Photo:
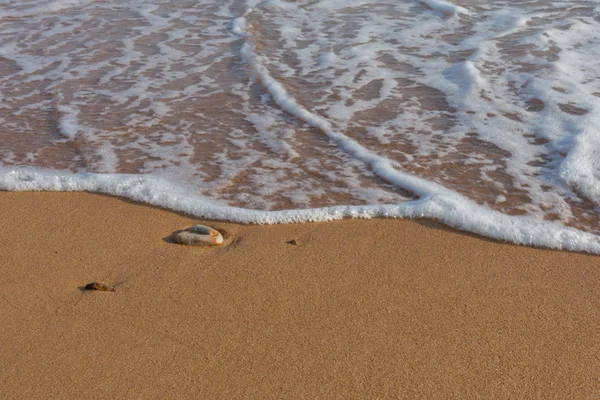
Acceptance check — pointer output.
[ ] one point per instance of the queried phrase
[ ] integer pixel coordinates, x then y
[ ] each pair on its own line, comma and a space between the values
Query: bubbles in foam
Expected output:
23, 173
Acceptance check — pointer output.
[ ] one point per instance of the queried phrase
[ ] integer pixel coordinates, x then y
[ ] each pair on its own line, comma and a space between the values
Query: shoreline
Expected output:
359, 308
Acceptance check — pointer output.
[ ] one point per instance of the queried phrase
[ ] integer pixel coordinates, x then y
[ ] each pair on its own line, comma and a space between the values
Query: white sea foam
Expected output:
67, 125
39, 8
238, 25
481, 115
445, 7
453, 211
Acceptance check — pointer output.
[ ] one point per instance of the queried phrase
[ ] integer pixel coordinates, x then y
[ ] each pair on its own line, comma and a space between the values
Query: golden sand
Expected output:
355, 309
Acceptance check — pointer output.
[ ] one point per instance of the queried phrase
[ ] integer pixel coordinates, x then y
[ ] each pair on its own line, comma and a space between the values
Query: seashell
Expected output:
200, 235
99, 287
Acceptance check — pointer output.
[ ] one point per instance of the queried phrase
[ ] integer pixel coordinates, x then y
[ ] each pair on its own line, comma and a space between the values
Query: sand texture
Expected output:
359, 309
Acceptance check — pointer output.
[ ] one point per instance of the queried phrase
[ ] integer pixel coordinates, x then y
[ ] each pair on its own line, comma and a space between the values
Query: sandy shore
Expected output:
359, 309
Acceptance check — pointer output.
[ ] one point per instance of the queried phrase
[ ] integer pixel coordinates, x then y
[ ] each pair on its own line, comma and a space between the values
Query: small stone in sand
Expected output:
293, 242
200, 235
98, 286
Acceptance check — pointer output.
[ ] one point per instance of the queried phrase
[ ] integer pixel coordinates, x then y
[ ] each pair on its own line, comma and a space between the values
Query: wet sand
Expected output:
358, 309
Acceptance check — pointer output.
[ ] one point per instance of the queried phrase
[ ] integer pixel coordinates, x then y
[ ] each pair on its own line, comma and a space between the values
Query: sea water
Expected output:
482, 114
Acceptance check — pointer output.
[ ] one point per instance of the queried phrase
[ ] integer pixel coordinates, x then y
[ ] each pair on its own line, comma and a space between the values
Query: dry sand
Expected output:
359, 309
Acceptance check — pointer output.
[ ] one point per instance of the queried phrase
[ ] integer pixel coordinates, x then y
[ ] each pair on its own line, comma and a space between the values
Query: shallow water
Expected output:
483, 114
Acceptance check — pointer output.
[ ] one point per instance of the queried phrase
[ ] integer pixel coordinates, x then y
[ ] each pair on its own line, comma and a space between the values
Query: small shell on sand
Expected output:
200, 235
98, 286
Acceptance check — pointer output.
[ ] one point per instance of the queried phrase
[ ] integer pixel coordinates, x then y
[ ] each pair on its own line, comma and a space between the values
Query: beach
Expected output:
335, 144
355, 309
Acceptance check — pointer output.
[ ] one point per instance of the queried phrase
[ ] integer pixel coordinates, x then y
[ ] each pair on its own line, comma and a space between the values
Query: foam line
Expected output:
453, 211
